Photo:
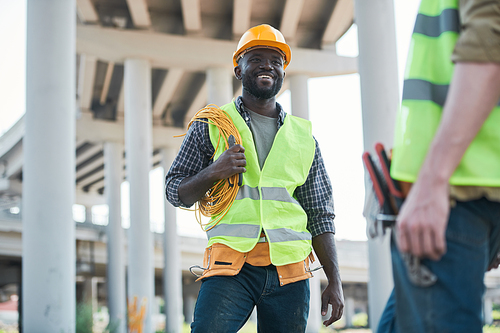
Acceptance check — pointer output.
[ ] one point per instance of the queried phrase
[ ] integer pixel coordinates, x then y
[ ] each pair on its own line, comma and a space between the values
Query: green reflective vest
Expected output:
427, 78
266, 199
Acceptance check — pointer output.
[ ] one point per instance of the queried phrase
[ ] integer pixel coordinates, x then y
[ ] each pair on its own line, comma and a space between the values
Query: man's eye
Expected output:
276, 62
255, 60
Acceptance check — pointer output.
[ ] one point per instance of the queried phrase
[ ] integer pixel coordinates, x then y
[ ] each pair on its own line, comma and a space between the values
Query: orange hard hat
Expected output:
263, 36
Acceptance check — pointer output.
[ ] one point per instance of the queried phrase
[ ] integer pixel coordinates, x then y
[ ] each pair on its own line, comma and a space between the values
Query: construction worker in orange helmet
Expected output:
259, 254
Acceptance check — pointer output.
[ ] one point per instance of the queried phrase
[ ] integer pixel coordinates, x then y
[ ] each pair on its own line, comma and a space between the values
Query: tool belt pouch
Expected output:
295, 272
220, 259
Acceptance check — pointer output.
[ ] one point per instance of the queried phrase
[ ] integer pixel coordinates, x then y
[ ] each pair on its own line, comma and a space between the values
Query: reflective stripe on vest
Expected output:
416, 89
265, 202
427, 78
268, 193
253, 231
434, 26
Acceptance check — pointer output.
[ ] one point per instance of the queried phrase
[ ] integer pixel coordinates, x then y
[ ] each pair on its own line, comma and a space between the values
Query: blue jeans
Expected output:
225, 302
454, 302
387, 322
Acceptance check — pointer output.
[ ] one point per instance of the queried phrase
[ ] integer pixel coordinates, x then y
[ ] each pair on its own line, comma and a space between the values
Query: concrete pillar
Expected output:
172, 272
299, 95
300, 107
380, 99
189, 304
113, 169
88, 214
314, 322
138, 148
87, 291
487, 310
93, 294
349, 311
49, 168
219, 85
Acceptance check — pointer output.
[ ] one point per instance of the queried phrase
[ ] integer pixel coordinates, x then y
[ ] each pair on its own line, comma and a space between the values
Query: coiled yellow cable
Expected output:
220, 197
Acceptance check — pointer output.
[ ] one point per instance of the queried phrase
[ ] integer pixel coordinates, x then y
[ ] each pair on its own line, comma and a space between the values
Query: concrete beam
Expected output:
89, 153
90, 179
139, 12
242, 13
89, 199
120, 107
170, 51
290, 18
86, 76
100, 184
89, 167
95, 130
167, 90
12, 163
11, 186
86, 11
10, 138
107, 82
340, 21
191, 15
198, 102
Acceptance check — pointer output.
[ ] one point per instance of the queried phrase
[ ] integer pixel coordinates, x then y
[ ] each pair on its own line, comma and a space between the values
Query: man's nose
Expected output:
266, 64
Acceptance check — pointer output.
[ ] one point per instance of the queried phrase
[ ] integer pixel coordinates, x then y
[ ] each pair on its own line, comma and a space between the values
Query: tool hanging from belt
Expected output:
390, 199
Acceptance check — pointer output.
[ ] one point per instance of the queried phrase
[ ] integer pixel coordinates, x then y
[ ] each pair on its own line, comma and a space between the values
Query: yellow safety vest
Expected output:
266, 200
427, 78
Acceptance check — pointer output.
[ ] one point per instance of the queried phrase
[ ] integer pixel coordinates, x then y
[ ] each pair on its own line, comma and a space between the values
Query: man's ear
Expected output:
237, 72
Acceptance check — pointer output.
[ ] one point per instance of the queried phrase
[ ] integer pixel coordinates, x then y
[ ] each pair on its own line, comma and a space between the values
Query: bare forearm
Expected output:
324, 247
194, 188
474, 91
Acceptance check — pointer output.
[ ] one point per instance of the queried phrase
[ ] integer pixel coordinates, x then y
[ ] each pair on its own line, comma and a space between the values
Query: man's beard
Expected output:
251, 87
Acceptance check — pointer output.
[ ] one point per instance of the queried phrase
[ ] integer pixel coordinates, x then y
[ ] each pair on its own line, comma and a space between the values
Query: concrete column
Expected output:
487, 310
138, 148
299, 95
220, 86
88, 214
380, 99
314, 322
189, 304
349, 311
113, 170
172, 272
300, 107
49, 168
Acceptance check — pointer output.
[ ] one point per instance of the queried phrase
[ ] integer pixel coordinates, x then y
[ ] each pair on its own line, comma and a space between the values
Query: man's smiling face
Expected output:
261, 72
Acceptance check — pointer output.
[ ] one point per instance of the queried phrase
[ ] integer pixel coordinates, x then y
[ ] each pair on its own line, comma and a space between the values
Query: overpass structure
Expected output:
110, 82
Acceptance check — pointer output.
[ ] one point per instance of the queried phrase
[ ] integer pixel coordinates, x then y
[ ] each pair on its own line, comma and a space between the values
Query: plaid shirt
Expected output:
315, 195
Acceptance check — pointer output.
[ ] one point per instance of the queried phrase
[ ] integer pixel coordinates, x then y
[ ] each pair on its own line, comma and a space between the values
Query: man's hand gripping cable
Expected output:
220, 197
390, 198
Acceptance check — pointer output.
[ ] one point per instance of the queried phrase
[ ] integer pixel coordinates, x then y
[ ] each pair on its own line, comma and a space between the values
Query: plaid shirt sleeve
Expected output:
194, 155
316, 198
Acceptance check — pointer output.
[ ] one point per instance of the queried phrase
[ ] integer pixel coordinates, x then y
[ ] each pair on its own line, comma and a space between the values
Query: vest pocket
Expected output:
220, 259
295, 272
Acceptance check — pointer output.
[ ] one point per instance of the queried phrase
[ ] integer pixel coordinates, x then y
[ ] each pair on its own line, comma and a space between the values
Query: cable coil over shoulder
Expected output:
220, 197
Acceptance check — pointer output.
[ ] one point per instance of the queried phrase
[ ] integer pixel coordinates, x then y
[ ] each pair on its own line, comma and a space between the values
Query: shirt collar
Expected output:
246, 115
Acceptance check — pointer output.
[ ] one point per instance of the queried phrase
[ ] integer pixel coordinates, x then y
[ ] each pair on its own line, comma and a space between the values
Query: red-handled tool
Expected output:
385, 165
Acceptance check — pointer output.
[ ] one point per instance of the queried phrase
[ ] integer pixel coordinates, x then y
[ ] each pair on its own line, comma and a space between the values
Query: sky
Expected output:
334, 108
